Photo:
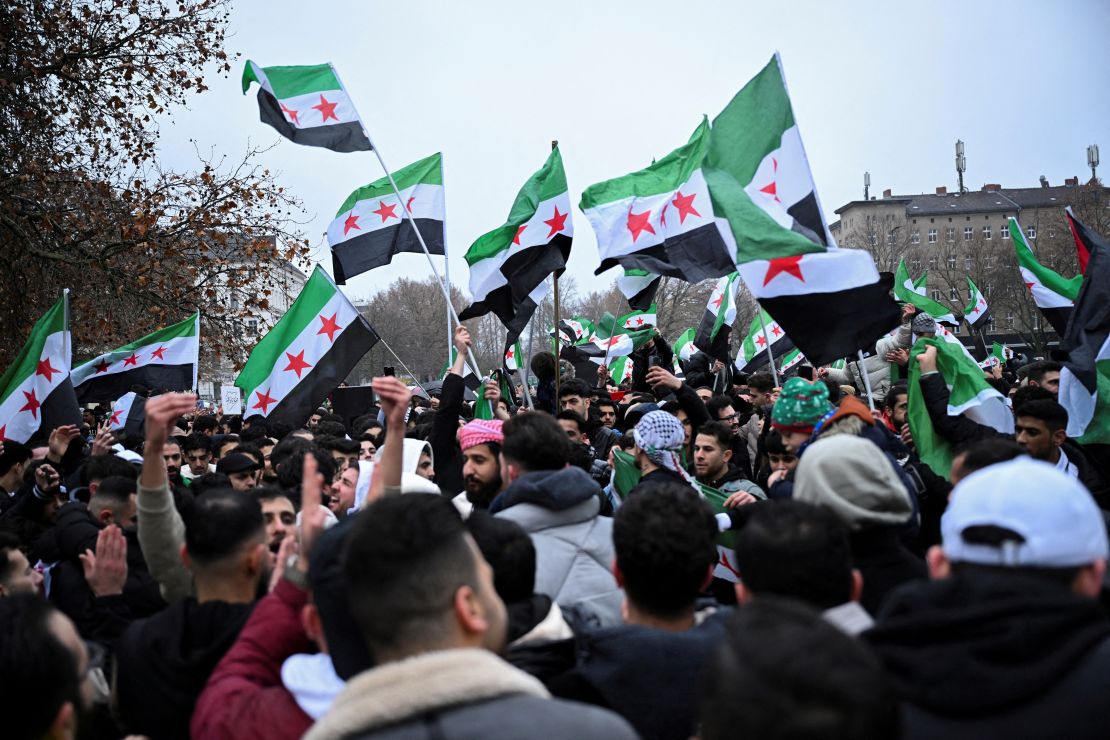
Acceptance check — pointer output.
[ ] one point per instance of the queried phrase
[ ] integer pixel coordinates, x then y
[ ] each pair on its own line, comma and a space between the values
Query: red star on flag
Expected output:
264, 400
327, 110
685, 206
1029, 285
557, 222
509, 354
776, 330
3, 432
663, 216
102, 366
718, 300
408, 203
788, 265
296, 363
638, 223
290, 112
132, 360
329, 326
32, 404
351, 222
639, 321
519, 230
761, 340
771, 189
385, 211
116, 414
611, 341
46, 370
160, 353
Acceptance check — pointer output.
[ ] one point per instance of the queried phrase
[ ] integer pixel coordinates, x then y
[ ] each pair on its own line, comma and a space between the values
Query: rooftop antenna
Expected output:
866, 184
961, 164
1092, 160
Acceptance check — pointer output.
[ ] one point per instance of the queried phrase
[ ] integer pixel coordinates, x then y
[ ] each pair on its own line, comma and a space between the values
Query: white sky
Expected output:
879, 86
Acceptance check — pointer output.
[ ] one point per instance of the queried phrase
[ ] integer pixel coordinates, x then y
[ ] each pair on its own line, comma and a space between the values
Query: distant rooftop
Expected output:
991, 198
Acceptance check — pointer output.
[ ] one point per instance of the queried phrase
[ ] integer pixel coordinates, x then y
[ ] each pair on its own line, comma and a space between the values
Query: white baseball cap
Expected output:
1055, 516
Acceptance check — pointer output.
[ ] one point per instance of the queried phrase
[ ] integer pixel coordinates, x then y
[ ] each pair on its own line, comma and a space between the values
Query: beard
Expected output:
479, 493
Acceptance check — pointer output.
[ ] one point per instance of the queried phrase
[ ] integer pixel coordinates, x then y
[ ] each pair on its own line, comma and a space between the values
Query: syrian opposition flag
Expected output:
306, 355
790, 359
371, 225
514, 358
508, 265
659, 220
753, 350
996, 357
969, 394
574, 329
921, 285
129, 414
906, 292
716, 323
977, 314
36, 391
830, 301
620, 370
307, 105
1082, 236
640, 319
599, 349
1085, 377
165, 360
684, 347
1054, 295
639, 287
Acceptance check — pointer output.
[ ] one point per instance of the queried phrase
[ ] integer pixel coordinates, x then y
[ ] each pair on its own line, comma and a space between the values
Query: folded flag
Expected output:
968, 393
508, 265
977, 314
514, 358
639, 287
307, 105
36, 391
640, 319
371, 225
716, 322
165, 360
684, 347
1085, 377
764, 332
129, 415
830, 301
659, 220
905, 292
1054, 295
309, 352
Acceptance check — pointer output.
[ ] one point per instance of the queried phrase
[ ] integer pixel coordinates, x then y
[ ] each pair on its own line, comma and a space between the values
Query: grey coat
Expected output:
877, 368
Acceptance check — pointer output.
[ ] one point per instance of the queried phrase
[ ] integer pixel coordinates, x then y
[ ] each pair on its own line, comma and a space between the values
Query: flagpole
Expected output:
555, 278
770, 354
412, 222
862, 367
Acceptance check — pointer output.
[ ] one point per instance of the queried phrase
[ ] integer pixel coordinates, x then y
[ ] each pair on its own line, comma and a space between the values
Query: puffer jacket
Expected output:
560, 509
877, 368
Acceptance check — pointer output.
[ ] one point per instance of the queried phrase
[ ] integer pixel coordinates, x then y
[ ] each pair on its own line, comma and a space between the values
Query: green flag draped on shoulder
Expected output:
307, 105
306, 355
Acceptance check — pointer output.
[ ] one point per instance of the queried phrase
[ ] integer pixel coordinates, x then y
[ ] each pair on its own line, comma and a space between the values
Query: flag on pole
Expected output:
659, 220
969, 393
997, 356
165, 360
716, 322
905, 292
1085, 377
977, 314
830, 301
639, 287
371, 225
790, 359
1082, 236
36, 391
620, 370
1054, 295
508, 265
921, 285
307, 105
598, 347
129, 415
514, 357
684, 347
753, 350
640, 319
574, 330
306, 355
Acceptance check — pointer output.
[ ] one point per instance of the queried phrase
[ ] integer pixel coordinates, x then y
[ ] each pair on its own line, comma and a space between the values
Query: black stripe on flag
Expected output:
524, 271
779, 349
156, 378
716, 347
807, 219
700, 254
339, 137
58, 409
376, 248
642, 301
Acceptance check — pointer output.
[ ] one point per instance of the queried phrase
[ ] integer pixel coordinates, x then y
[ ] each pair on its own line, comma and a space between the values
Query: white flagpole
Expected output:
770, 354
862, 367
419, 237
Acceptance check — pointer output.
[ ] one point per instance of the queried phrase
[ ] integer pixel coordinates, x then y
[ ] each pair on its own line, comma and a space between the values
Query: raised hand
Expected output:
162, 413
658, 376
393, 397
59, 441
102, 443
106, 569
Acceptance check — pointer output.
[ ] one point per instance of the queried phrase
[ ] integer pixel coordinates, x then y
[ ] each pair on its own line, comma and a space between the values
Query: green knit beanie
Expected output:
800, 406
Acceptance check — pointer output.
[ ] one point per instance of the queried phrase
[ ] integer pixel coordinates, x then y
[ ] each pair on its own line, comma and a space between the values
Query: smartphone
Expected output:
388, 370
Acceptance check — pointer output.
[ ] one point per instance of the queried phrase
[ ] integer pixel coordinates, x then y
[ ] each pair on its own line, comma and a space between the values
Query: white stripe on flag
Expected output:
176, 351
384, 212
20, 413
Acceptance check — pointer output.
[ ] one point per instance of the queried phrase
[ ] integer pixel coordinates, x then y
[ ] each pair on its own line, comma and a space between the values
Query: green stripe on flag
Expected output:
1050, 279
289, 82
25, 363
427, 171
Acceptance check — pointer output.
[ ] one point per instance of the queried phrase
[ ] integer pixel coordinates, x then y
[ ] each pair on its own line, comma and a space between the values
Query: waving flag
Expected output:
639, 287
1054, 295
716, 323
905, 292
684, 347
753, 350
129, 415
977, 314
640, 319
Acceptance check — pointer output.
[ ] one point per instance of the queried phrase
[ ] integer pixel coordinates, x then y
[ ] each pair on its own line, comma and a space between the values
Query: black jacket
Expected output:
885, 564
985, 656
443, 440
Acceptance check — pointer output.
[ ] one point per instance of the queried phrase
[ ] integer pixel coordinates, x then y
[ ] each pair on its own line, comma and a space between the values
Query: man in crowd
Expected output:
242, 470
197, 448
713, 466
480, 441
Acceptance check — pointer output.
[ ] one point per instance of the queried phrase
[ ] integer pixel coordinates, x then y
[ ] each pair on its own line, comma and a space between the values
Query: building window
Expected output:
936, 294
932, 236
1005, 232
1009, 319
968, 233
957, 330
950, 234
1031, 232
990, 323
890, 238
986, 232
967, 263
951, 262
252, 327
954, 294
915, 237
915, 265
874, 240
932, 263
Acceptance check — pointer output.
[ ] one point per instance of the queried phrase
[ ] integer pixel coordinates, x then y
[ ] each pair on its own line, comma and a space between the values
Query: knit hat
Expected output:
800, 406
660, 435
923, 323
855, 480
479, 432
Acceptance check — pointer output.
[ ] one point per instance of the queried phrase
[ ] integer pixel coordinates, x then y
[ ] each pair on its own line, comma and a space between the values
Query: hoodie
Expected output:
986, 655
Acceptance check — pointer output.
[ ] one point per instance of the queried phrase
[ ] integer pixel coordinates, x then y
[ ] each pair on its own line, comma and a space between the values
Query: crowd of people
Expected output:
703, 554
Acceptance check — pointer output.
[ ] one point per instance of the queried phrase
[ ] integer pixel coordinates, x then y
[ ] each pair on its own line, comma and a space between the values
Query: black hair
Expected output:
574, 387
986, 452
574, 416
783, 672
716, 404
116, 490
255, 435
205, 423
762, 382
14, 454
535, 441
349, 654
203, 484
270, 493
278, 430
284, 451
665, 538
1036, 371
772, 443
406, 558
290, 474
331, 429
341, 445
251, 451
896, 389
543, 366
1027, 393
1062, 578
197, 441
38, 674
509, 551
719, 431
220, 523
605, 400
795, 549
234, 423
1047, 410
99, 467
581, 456
9, 543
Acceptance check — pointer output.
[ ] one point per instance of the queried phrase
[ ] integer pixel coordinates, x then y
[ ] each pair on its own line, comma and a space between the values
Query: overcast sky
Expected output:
885, 87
